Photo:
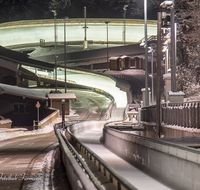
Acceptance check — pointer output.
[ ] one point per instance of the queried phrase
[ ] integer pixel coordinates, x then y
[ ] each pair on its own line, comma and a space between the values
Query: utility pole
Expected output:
107, 42
146, 57
85, 23
158, 100
56, 73
55, 33
173, 51
125, 6
151, 50
66, 18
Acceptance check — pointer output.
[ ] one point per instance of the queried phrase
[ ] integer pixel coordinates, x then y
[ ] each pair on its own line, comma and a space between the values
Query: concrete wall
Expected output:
49, 119
177, 168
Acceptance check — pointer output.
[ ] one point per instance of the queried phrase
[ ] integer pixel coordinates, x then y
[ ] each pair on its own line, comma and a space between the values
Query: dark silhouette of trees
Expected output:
12, 10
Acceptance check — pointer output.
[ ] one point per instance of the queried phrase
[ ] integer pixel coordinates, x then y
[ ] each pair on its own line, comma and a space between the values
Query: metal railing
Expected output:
73, 167
104, 168
113, 177
150, 38
182, 114
148, 114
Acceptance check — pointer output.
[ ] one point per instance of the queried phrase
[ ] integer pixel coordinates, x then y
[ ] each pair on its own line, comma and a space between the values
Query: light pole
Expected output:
85, 23
173, 58
66, 18
55, 34
158, 94
125, 6
146, 56
166, 50
170, 5
63, 113
56, 73
152, 87
107, 42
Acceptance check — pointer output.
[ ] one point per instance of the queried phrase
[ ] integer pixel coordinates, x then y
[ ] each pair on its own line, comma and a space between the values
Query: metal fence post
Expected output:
187, 115
176, 114
181, 115
163, 113
168, 115
193, 115
172, 114
184, 115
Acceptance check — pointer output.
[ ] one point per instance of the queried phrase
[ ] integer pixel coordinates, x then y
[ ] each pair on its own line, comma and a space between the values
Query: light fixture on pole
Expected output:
151, 50
125, 6
55, 33
146, 56
107, 42
170, 5
66, 18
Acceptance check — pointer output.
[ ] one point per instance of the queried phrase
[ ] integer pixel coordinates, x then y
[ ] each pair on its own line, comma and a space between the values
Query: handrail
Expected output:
150, 38
103, 166
82, 164
63, 143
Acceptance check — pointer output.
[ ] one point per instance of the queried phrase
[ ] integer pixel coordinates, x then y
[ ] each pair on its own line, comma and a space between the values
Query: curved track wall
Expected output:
176, 165
27, 32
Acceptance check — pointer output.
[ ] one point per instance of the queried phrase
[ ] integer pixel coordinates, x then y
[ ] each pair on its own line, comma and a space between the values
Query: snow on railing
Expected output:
182, 114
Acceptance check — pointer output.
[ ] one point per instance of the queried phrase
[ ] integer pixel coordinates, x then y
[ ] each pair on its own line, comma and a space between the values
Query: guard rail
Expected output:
77, 178
119, 182
107, 171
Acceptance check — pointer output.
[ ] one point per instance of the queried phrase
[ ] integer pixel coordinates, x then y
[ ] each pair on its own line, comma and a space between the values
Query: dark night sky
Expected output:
12, 10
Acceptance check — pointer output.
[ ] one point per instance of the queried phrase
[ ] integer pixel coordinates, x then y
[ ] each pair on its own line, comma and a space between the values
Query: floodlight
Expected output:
143, 45
167, 4
54, 12
64, 19
125, 6
150, 49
